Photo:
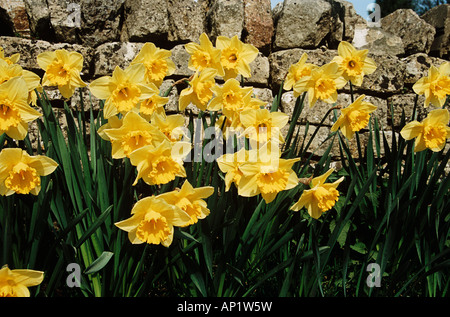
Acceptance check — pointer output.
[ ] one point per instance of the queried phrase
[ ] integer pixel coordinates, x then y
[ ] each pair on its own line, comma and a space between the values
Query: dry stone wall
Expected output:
111, 32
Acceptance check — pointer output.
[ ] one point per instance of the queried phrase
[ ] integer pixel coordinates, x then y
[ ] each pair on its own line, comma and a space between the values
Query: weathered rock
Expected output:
258, 24
439, 17
417, 35
344, 22
18, 16
145, 20
302, 24
417, 66
109, 55
260, 71
377, 40
226, 18
280, 61
7, 28
39, 18
186, 19
30, 49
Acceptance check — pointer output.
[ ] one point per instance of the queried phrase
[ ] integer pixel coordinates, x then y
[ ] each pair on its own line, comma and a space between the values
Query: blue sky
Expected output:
360, 5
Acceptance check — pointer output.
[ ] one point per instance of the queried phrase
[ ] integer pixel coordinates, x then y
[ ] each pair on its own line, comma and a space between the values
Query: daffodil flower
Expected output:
321, 196
204, 55
229, 97
322, 84
354, 118
15, 112
62, 68
123, 91
152, 221
298, 71
134, 133
230, 163
157, 63
199, 92
8, 71
190, 200
435, 86
13, 59
15, 283
268, 175
157, 165
172, 126
21, 173
236, 56
262, 125
431, 133
354, 63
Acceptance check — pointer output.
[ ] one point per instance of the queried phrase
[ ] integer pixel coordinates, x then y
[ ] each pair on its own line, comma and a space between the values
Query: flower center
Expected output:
326, 197
193, 209
126, 97
353, 66
230, 57
164, 170
358, 119
434, 136
156, 70
153, 229
302, 72
9, 117
201, 59
325, 88
58, 73
7, 288
203, 91
273, 182
441, 87
22, 179
134, 140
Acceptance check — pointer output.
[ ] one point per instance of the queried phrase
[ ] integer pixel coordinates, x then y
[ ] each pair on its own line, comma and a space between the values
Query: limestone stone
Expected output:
225, 17
405, 102
258, 24
145, 20
39, 19
439, 17
302, 24
186, 19
417, 35
260, 71
377, 40
344, 22
18, 16
417, 66
181, 57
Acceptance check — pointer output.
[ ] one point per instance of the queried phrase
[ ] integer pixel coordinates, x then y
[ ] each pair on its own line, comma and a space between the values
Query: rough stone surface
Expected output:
377, 40
39, 19
186, 19
225, 17
258, 24
439, 17
145, 20
17, 13
417, 35
313, 18
109, 55
417, 66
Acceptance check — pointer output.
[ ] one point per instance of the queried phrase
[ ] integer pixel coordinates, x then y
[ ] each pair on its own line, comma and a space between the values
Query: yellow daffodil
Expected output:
152, 221
15, 283
157, 63
321, 197
21, 173
297, 71
236, 56
157, 165
204, 55
354, 63
113, 123
268, 175
354, 118
321, 84
190, 200
261, 125
199, 92
229, 164
152, 105
8, 71
172, 126
431, 133
13, 59
229, 97
134, 133
435, 86
123, 91
15, 112
62, 68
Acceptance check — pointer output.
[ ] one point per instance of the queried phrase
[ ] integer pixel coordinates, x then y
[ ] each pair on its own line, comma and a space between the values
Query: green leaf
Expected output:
99, 263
